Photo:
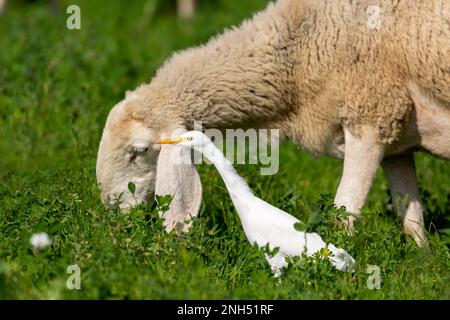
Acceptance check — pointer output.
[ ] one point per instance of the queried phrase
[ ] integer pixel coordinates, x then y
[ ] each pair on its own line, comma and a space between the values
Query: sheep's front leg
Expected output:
363, 155
401, 174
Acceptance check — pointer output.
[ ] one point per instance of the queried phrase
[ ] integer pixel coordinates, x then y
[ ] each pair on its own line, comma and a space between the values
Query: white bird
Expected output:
263, 223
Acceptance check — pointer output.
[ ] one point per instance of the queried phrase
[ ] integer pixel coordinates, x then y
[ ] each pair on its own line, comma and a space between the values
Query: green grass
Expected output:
56, 89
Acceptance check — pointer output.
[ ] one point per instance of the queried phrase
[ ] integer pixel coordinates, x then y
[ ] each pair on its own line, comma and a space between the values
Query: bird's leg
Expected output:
363, 155
401, 174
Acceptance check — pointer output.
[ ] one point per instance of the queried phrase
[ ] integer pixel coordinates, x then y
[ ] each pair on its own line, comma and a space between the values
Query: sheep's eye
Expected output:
136, 152
133, 158
141, 150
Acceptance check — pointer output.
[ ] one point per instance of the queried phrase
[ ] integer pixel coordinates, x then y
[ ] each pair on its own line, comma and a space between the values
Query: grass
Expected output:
56, 89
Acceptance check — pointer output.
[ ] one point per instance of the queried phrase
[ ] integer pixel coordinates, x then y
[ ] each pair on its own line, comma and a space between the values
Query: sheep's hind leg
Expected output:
401, 174
363, 155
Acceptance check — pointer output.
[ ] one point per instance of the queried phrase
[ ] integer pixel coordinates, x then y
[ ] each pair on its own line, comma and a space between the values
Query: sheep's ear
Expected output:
176, 176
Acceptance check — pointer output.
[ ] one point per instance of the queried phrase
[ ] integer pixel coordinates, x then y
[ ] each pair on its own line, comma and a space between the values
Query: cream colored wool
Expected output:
308, 67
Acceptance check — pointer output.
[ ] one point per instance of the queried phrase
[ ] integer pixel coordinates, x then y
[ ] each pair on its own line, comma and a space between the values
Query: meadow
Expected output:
56, 89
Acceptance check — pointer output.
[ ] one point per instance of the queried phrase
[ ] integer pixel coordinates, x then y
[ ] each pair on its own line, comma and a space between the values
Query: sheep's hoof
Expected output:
419, 236
348, 224
423, 243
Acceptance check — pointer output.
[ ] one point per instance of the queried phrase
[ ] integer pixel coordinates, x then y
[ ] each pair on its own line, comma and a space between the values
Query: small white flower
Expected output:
40, 240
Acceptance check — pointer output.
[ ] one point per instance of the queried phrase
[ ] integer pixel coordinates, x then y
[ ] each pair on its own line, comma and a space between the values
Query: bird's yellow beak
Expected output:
173, 140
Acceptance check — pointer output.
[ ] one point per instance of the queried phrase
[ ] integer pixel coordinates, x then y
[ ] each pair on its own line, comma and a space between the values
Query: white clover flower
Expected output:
40, 240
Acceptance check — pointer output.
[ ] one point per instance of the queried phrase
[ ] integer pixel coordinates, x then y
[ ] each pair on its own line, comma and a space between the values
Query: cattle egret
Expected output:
263, 223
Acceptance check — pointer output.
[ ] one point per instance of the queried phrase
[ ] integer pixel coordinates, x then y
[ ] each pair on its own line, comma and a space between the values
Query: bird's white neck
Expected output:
237, 187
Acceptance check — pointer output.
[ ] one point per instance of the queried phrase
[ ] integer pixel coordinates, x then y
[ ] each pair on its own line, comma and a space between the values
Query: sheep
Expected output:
318, 71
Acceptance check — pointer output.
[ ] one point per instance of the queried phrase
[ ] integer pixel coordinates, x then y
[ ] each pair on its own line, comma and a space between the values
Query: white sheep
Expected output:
318, 71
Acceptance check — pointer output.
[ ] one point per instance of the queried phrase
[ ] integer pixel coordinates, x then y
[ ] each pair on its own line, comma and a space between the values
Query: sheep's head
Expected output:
128, 154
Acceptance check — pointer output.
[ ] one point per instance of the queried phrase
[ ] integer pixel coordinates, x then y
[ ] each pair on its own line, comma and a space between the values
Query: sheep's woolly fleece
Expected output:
307, 67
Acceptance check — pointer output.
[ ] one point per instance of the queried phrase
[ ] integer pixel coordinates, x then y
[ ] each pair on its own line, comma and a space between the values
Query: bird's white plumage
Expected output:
263, 223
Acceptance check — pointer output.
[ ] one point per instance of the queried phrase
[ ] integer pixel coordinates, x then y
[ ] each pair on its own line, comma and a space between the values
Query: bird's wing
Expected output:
272, 214
267, 224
